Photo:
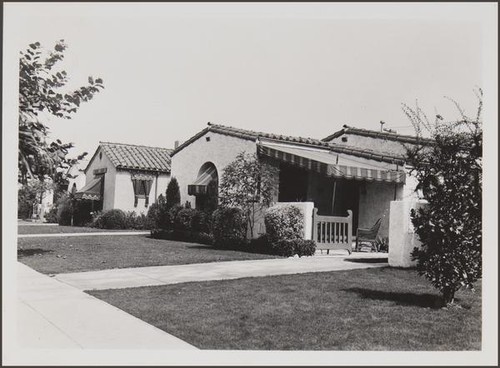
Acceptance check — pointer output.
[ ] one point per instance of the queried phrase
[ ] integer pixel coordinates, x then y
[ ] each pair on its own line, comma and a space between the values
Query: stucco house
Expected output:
76, 177
353, 169
125, 176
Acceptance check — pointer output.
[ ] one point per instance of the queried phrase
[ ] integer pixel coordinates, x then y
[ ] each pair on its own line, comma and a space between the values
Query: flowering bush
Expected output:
284, 223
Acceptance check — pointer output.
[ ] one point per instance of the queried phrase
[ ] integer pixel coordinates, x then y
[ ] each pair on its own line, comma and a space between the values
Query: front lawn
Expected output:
54, 255
369, 309
56, 229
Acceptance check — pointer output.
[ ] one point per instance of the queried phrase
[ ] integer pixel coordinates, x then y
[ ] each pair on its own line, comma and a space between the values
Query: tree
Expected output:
449, 172
248, 184
41, 90
173, 194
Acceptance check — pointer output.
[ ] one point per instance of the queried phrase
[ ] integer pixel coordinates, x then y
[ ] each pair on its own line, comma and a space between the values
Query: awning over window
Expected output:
200, 186
91, 190
325, 163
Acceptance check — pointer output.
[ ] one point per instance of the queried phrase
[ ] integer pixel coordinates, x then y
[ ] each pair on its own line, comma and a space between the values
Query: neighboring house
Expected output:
353, 169
125, 176
76, 178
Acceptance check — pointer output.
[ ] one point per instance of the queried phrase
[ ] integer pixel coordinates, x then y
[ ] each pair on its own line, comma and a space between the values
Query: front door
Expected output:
347, 198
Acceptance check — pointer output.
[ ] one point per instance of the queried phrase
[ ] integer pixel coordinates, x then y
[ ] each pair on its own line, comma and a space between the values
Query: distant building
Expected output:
125, 176
76, 178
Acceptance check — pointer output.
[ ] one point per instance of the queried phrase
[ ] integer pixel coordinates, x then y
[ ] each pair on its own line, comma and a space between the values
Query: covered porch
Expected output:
336, 182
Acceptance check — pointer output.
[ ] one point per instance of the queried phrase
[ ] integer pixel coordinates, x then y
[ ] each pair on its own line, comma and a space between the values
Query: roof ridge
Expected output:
389, 134
258, 134
136, 145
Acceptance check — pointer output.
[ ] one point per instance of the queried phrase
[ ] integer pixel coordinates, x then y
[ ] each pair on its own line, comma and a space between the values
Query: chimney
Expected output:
176, 144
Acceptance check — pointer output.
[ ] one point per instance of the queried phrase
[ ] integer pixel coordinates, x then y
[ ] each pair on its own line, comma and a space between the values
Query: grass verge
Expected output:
54, 255
369, 309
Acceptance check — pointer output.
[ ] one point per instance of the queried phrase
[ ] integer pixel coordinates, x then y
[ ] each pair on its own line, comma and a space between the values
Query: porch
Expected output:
339, 185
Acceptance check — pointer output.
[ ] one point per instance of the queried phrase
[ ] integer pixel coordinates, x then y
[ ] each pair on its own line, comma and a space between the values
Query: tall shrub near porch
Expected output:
248, 184
449, 173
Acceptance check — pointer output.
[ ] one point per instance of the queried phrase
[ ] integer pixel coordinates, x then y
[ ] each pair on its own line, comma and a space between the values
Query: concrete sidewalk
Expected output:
51, 314
163, 275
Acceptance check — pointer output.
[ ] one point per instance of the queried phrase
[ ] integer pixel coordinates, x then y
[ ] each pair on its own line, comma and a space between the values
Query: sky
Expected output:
169, 70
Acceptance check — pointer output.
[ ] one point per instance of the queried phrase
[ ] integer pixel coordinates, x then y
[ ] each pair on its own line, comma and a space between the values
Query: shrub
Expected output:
304, 247
51, 216
200, 222
288, 248
202, 238
284, 223
284, 248
138, 222
184, 219
173, 194
449, 173
168, 221
157, 213
64, 210
112, 219
228, 227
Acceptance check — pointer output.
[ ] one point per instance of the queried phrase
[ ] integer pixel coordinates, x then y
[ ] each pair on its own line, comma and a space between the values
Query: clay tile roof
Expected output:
249, 135
253, 135
374, 134
130, 156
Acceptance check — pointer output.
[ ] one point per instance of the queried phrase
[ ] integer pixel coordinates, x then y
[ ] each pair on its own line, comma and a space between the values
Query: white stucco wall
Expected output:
375, 144
124, 192
109, 178
220, 150
79, 180
402, 238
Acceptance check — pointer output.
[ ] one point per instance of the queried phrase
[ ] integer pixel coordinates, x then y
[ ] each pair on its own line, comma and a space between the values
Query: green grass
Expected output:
370, 309
56, 229
98, 252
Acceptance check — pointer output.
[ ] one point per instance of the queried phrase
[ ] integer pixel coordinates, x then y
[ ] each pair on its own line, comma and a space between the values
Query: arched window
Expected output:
206, 187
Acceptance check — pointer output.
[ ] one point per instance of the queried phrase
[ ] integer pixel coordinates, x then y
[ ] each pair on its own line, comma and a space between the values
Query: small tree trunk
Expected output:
448, 296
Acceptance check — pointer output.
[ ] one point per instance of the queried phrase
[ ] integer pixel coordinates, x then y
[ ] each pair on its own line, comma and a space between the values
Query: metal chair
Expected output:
368, 235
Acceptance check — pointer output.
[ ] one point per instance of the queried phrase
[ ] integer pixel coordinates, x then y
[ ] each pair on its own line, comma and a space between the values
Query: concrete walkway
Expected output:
51, 314
163, 275
84, 234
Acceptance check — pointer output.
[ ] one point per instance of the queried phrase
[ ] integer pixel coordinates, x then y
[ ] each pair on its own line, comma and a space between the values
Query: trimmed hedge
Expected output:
288, 248
112, 219
51, 216
228, 227
186, 236
284, 223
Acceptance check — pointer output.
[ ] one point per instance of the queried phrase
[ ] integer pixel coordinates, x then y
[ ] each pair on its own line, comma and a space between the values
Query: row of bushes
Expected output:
67, 210
118, 219
226, 228
223, 228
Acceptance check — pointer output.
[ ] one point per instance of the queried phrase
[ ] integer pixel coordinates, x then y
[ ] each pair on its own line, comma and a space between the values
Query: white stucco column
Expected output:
402, 237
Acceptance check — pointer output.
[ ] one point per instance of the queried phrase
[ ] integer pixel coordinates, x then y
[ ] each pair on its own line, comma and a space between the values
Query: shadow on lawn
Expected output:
368, 260
31, 252
419, 300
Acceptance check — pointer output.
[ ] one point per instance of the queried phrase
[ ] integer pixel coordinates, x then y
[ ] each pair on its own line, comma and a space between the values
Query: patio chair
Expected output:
368, 235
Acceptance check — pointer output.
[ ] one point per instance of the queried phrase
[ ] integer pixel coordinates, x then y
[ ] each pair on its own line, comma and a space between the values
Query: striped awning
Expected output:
200, 186
91, 190
325, 163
